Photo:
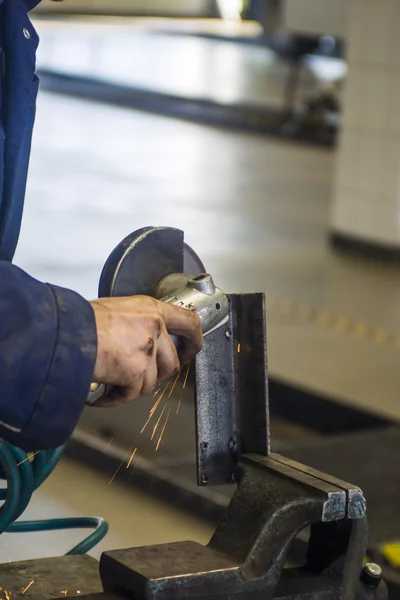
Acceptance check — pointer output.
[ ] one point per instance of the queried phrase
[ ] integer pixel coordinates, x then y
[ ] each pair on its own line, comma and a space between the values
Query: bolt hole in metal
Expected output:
218, 306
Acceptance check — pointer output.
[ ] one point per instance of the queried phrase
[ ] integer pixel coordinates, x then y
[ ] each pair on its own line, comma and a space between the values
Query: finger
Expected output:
186, 325
117, 398
122, 395
150, 376
168, 363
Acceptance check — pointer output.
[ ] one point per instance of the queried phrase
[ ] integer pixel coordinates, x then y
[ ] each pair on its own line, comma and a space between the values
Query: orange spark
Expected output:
28, 458
155, 405
157, 391
239, 348
8, 595
24, 590
147, 422
64, 592
186, 376
131, 458
175, 382
120, 466
153, 410
163, 429
116, 473
158, 421
179, 405
108, 443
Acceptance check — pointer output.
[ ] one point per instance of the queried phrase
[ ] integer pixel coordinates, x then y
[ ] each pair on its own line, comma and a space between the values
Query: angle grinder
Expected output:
155, 261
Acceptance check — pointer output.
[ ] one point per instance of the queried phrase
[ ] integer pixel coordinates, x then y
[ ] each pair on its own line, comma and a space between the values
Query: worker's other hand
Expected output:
135, 351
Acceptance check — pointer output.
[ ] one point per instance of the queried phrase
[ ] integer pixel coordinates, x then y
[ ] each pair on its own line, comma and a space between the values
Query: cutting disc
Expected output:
144, 258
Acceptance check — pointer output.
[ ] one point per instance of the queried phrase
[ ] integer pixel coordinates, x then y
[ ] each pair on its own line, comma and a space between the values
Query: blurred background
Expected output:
268, 131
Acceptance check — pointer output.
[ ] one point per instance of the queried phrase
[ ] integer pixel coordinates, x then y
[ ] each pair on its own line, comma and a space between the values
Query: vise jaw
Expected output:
275, 500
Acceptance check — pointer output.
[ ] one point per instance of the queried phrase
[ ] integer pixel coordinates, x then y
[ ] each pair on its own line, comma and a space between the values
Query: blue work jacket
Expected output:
48, 339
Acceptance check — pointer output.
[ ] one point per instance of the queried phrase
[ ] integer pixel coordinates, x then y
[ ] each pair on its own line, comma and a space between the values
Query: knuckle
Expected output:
195, 318
158, 325
141, 366
174, 365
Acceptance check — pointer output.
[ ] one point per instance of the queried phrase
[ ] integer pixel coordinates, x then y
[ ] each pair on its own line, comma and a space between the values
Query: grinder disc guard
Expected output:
144, 258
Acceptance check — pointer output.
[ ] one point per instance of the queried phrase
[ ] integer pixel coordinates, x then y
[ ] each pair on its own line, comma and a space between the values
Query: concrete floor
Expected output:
255, 209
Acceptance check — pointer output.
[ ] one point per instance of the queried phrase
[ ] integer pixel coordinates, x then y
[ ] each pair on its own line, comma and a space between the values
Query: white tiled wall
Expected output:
367, 188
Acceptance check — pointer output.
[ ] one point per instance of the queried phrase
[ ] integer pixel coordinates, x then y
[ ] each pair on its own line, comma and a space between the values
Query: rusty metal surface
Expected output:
215, 410
251, 373
231, 401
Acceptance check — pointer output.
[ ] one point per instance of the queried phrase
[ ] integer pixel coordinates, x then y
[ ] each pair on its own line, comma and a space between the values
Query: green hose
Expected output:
24, 475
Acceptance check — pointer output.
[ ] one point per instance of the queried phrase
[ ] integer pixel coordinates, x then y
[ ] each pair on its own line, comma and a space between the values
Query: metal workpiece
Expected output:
246, 556
215, 412
232, 392
249, 330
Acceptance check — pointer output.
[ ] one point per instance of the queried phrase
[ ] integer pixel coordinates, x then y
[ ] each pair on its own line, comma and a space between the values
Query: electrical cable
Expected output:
24, 474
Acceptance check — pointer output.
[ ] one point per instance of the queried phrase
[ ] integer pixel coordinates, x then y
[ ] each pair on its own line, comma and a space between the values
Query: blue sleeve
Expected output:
48, 348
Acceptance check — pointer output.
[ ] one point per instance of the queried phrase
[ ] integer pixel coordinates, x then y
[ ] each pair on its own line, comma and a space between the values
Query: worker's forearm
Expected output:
48, 346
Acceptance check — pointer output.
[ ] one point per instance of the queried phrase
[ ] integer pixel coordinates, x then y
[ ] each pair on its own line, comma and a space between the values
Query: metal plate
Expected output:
232, 392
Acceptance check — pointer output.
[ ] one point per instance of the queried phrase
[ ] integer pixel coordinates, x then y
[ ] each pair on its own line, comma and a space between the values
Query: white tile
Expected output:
357, 22
351, 96
373, 32
377, 20
367, 96
369, 174
392, 33
391, 167
375, 101
377, 221
393, 111
344, 211
378, 164
348, 158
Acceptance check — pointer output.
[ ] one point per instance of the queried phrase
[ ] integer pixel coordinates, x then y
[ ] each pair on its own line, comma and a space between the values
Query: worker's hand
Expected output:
135, 350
